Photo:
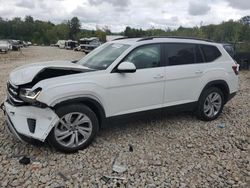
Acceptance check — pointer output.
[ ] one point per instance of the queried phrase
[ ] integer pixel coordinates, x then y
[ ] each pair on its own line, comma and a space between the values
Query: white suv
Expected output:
66, 103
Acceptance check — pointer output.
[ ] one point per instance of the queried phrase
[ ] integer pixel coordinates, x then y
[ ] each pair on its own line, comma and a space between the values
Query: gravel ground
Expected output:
168, 151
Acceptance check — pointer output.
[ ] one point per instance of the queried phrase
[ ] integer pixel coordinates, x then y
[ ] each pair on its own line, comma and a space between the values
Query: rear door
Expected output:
141, 90
184, 70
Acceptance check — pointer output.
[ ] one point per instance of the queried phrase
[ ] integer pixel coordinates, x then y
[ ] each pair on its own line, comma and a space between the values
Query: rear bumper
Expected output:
29, 121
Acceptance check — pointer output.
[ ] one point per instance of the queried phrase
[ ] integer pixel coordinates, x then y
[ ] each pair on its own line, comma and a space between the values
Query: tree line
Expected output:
46, 32
234, 32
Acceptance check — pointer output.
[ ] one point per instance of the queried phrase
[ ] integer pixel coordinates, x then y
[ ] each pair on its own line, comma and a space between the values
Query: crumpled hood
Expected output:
25, 74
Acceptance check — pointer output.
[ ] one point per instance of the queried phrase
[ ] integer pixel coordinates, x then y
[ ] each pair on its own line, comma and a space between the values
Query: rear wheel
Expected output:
210, 104
76, 128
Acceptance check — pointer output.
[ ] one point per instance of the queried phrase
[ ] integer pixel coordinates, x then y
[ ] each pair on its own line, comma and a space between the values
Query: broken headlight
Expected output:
29, 95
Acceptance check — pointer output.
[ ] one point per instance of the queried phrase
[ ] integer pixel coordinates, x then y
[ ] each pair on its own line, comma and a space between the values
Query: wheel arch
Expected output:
93, 104
221, 84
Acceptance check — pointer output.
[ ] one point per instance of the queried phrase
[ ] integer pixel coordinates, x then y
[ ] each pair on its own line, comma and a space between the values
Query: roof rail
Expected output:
120, 38
174, 37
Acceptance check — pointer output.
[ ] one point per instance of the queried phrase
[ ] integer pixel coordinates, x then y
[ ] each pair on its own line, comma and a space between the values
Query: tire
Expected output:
208, 108
77, 121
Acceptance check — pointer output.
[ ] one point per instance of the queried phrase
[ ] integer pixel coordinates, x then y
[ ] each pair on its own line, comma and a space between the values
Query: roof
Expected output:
132, 41
129, 41
114, 37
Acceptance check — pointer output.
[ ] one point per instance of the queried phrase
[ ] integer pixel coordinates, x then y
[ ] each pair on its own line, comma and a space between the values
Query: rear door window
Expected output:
183, 54
199, 55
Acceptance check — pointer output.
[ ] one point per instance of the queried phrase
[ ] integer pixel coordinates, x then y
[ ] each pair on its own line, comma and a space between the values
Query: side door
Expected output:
141, 90
184, 71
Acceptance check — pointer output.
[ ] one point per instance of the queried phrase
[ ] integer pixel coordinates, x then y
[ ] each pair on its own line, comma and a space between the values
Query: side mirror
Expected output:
126, 67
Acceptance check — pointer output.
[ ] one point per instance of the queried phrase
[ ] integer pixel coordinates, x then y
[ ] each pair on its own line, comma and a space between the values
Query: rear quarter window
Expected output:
210, 52
230, 50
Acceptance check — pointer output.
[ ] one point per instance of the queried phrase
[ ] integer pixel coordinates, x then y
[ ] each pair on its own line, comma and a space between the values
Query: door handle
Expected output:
198, 72
158, 76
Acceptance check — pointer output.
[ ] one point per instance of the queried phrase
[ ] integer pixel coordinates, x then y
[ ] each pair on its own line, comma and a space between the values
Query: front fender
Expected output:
55, 95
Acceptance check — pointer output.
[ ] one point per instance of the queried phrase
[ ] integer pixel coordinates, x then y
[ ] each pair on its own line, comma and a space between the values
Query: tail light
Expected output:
235, 68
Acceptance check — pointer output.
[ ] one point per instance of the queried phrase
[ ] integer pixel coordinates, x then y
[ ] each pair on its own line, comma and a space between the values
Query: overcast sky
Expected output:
117, 14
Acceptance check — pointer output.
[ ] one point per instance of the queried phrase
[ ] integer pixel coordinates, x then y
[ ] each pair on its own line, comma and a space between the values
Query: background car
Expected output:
15, 45
89, 44
4, 46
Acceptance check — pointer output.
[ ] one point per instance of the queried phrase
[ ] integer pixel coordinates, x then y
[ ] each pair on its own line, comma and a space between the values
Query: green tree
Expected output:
107, 30
74, 27
245, 20
43, 32
100, 34
61, 31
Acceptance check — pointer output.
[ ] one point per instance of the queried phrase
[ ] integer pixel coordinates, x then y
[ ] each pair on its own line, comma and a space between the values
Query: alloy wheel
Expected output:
212, 104
73, 129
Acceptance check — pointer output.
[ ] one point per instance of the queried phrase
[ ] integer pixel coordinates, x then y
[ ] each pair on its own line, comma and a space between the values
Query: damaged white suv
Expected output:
66, 103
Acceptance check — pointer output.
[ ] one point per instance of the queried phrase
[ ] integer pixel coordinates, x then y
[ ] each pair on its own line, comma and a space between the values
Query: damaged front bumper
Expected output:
10, 128
30, 121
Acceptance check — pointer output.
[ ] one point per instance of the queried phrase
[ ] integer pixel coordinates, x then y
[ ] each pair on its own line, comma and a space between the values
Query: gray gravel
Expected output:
168, 151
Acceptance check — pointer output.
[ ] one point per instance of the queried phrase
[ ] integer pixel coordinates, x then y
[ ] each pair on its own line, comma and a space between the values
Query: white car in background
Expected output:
4, 46
66, 103
89, 44
60, 44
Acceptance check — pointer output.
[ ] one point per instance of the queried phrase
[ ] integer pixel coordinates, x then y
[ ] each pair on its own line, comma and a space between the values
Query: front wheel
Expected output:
75, 130
210, 104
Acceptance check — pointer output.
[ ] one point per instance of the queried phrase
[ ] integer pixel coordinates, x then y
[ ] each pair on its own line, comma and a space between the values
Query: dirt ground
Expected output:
169, 151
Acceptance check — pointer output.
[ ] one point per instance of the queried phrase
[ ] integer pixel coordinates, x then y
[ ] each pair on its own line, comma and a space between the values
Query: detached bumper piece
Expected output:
30, 121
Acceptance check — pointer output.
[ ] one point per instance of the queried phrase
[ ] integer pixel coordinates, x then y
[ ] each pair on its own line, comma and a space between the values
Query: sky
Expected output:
117, 14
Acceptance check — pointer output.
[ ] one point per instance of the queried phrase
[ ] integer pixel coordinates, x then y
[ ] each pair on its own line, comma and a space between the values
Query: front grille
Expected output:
12, 95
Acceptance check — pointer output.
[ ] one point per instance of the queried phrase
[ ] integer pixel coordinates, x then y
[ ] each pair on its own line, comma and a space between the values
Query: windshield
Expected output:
102, 57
